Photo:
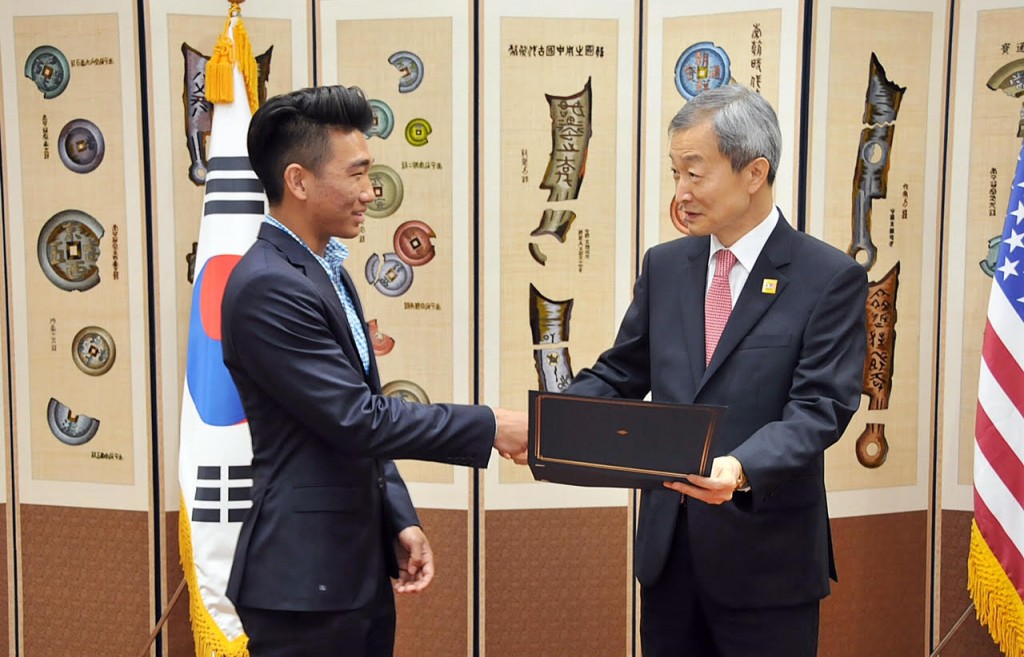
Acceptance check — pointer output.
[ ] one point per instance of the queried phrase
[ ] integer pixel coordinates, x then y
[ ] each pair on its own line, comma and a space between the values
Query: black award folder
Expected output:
618, 443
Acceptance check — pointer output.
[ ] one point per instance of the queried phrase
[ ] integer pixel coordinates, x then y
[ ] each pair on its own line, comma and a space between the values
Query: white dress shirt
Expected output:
746, 249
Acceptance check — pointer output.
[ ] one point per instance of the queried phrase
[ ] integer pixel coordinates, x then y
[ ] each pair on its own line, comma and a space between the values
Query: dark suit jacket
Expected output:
789, 367
327, 500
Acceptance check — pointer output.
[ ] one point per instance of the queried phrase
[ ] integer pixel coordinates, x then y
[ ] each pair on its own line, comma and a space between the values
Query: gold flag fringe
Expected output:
997, 602
209, 638
220, 83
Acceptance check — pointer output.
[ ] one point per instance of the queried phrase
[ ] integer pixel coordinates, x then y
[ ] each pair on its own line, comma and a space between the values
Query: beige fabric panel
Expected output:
741, 35
577, 263
994, 147
895, 224
177, 199
415, 348
7, 592
5, 412
64, 299
186, 197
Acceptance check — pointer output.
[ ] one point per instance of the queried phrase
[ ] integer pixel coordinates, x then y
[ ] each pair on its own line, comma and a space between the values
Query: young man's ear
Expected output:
295, 179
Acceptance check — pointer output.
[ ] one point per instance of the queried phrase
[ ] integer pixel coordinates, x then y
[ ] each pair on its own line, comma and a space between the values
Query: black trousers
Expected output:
677, 620
365, 632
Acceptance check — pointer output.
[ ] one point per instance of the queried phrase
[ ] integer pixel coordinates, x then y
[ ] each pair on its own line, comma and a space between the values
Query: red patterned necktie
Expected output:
718, 304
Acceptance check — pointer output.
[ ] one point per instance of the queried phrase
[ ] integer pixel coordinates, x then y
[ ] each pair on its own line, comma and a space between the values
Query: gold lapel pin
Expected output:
769, 286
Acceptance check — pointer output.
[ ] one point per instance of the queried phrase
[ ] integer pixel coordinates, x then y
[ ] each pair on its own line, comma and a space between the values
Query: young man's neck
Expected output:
295, 222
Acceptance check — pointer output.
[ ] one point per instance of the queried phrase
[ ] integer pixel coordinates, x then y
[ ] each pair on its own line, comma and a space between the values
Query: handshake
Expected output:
510, 438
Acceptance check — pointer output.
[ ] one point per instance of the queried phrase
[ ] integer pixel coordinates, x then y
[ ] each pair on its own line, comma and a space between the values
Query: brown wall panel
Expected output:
85, 581
971, 639
178, 640
5, 626
435, 623
878, 607
555, 583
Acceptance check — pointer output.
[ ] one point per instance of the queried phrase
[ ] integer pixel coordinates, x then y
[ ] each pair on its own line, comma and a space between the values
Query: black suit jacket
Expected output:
327, 499
789, 367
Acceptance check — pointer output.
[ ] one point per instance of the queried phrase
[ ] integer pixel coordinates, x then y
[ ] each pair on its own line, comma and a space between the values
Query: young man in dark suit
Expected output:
750, 314
331, 520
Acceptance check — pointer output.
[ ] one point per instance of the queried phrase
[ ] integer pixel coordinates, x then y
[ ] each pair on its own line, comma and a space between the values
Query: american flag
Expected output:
996, 562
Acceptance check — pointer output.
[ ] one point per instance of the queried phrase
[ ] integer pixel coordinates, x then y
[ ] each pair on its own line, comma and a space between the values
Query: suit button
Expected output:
380, 482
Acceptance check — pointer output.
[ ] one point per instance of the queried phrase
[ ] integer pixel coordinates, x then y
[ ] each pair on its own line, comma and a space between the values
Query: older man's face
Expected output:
711, 198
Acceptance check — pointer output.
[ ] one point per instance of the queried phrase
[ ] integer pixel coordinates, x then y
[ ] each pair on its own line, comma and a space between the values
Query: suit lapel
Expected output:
693, 276
302, 259
753, 303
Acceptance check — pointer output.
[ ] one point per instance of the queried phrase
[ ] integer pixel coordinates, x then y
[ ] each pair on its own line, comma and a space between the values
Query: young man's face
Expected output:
340, 191
711, 198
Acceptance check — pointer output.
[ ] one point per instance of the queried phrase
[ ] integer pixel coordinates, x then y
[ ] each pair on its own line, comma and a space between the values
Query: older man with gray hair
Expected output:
747, 313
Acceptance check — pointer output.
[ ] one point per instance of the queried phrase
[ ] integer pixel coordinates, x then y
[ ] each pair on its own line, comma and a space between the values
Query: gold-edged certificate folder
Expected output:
618, 443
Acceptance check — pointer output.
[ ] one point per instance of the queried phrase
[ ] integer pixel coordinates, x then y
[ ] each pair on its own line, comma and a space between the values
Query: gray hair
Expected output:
745, 124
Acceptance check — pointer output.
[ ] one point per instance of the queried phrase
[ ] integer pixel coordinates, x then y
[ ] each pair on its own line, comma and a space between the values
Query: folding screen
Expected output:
79, 341
413, 262
558, 101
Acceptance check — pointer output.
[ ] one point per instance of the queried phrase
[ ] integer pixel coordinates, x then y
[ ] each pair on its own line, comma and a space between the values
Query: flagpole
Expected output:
952, 631
163, 619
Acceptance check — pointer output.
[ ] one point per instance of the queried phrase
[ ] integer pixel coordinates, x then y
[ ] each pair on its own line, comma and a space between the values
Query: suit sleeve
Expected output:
403, 513
624, 370
825, 390
277, 336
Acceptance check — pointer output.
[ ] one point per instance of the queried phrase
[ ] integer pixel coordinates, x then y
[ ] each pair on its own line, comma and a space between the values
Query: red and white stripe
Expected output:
999, 434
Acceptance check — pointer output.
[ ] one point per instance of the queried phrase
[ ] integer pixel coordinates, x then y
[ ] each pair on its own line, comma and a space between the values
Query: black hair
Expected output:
295, 128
